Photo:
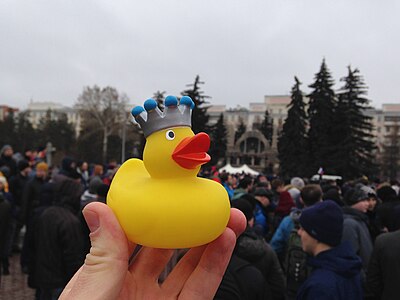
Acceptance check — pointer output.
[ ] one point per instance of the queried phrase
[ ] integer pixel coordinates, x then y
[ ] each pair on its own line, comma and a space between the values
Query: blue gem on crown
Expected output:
152, 119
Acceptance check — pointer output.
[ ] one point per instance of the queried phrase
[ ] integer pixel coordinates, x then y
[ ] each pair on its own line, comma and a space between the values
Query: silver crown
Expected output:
152, 119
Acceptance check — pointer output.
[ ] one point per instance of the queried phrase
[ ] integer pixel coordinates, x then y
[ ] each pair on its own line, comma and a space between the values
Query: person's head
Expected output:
263, 196
277, 185
358, 199
311, 194
94, 186
246, 208
387, 194
24, 167
83, 166
297, 182
41, 170
321, 227
3, 183
372, 197
7, 151
98, 170
246, 183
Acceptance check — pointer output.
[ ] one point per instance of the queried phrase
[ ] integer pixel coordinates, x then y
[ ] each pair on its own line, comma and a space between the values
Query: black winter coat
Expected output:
384, 268
58, 247
254, 249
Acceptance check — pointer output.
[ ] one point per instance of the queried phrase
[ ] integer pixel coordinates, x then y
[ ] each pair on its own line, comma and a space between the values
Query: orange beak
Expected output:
191, 152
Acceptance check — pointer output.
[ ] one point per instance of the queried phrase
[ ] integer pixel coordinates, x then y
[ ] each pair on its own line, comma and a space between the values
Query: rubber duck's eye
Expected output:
170, 135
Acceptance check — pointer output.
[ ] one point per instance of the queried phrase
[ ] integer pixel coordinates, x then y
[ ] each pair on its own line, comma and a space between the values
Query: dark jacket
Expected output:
384, 268
335, 276
242, 281
355, 230
5, 216
16, 187
31, 197
253, 248
58, 240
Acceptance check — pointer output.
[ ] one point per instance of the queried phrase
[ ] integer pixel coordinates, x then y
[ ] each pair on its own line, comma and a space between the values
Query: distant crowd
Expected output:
304, 240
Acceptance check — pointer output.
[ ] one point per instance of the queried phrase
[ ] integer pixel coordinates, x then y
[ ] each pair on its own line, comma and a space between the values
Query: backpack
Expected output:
296, 267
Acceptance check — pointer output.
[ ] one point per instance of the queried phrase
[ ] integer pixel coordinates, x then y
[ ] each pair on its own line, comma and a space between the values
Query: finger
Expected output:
237, 221
106, 265
175, 281
206, 278
150, 262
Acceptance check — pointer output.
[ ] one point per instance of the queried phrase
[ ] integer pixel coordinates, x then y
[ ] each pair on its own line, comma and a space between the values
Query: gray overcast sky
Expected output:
243, 50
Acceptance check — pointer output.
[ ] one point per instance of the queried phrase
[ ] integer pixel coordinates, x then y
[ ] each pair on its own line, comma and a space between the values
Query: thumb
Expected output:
105, 267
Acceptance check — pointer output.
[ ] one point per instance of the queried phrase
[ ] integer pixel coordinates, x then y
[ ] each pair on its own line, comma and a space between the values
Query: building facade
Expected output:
38, 110
253, 149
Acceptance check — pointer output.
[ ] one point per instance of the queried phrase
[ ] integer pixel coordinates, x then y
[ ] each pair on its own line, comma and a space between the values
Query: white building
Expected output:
38, 110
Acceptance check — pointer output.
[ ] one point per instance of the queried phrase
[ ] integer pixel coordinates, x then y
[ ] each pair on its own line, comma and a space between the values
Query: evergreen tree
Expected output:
8, 131
199, 114
218, 140
292, 141
55, 128
353, 131
240, 130
322, 102
266, 127
26, 137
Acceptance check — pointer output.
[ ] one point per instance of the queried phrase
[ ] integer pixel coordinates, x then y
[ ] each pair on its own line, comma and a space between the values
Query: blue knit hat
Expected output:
324, 222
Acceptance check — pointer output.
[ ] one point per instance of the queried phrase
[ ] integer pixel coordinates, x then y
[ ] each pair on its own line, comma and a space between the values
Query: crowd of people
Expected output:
303, 239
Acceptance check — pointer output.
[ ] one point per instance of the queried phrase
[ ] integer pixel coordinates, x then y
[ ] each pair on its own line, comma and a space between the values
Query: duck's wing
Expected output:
129, 171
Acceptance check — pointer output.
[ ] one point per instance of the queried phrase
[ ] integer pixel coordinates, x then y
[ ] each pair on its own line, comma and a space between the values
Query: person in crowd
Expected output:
46, 200
90, 194
67, 171
58, 241
310, 195
254, 249
284, 202
333, 192
384, 268
106, 273
264, 211
30, 201
97, 174
245, 186
5, 218
17, 185
242, 281
386, 213
294, 189
355, 225
83, 170
375, 226
227, 182
336, 268
7, 160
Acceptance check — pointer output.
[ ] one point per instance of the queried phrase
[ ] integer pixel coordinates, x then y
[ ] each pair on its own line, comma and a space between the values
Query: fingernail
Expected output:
92, 220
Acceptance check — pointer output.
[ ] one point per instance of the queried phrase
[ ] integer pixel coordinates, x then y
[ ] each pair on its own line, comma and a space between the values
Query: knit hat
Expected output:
297, 182
42, 166
4, 148
23, 164
324, 222
260, 191
353, 196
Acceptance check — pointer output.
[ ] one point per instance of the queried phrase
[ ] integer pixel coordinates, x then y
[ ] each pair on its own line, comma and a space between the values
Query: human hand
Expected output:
106, 273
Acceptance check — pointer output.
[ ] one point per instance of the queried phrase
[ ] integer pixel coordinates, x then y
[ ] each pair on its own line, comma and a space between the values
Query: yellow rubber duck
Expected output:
160, 202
